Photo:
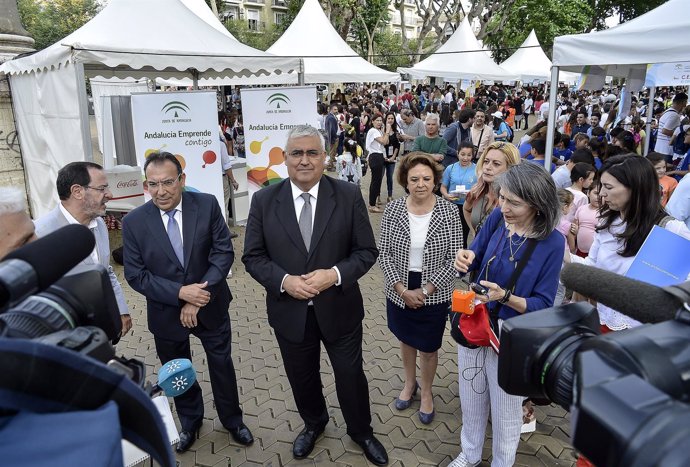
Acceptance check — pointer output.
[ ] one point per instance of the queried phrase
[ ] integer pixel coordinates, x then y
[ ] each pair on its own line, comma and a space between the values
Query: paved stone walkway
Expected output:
270, 410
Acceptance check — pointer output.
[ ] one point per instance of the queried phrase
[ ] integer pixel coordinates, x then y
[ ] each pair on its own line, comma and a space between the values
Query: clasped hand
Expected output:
307, 286
195, 294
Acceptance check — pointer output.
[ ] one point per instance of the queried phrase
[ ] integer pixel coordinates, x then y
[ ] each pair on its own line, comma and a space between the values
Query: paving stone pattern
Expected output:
270, 412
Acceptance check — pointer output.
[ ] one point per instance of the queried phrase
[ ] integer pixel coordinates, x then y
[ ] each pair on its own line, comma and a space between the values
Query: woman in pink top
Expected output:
586, 222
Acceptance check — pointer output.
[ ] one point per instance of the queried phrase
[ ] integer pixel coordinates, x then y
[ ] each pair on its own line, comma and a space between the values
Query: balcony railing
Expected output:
279, 3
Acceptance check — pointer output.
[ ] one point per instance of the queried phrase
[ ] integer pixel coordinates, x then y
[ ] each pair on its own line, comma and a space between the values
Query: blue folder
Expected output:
664, 259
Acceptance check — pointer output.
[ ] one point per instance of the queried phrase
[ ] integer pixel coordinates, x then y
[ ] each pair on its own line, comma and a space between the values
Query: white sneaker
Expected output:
460, 461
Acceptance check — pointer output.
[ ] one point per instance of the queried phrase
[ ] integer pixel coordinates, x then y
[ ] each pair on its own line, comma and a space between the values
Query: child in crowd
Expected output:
581, 176
581, 141
562, 175
561, 150
565, 198
666, 184
348, 164
599, 147
585, 221
537, 153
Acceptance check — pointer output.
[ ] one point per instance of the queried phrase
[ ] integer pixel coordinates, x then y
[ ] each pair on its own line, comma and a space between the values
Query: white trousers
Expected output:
480, 395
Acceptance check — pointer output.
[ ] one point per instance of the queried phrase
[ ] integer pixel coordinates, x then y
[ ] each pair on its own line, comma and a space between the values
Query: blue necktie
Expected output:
174, 235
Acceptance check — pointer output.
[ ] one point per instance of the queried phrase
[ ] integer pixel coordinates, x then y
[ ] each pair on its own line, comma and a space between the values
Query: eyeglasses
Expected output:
166, 183
102, 188
298, 154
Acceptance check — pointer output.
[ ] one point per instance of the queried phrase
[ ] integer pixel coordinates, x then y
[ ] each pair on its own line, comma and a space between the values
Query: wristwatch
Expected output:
425, 292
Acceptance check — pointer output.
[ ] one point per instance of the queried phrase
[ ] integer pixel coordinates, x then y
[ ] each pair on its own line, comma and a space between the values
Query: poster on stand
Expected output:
185, 124
269, 113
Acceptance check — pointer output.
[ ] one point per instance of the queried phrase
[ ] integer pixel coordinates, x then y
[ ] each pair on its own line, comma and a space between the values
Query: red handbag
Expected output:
481, 327
478, 328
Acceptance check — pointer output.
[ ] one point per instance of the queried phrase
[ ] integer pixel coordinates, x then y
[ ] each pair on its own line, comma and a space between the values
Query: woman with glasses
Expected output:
523, 225
481, 200
420, 234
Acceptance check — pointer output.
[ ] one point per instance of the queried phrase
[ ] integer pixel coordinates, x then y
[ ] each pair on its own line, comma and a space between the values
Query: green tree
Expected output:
261, 40
549, 19
369, 19
626, 10
49, 21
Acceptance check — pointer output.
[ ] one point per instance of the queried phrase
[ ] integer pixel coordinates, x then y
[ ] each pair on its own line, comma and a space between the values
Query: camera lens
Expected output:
558, 370
39, 315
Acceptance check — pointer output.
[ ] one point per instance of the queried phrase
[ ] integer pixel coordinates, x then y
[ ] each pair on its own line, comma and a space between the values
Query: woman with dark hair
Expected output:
630, 207
377, 138
391, 151
420, 234
523, 225
624, 139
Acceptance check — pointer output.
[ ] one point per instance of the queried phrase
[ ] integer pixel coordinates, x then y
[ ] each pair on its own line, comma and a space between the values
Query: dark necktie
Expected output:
175, 236
305, 220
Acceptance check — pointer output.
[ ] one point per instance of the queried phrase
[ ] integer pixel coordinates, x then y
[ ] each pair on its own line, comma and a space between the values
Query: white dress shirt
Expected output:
92, 225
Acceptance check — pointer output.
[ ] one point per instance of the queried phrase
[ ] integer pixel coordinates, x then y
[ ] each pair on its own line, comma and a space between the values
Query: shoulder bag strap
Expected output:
531, 245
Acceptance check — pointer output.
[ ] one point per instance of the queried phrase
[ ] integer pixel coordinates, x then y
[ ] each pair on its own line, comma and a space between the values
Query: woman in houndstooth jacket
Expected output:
420, 234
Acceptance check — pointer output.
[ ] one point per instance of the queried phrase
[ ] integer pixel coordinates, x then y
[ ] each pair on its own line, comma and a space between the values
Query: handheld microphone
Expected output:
39, 264
175, 377
639, 300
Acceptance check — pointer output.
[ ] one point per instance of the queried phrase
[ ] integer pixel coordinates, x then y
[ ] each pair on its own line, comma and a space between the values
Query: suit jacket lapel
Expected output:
154, 222
285, 212
325, 206
190, 213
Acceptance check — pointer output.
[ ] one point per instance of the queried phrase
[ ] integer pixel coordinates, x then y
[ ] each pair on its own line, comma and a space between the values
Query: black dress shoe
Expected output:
305, 441
374, 450
187, 438
241, 434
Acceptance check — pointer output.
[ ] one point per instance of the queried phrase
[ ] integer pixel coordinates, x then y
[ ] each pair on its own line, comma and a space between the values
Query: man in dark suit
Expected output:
308, 241
177, 253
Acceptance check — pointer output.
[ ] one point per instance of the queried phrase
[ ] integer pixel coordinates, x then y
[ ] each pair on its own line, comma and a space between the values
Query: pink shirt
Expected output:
564, 228
586, 216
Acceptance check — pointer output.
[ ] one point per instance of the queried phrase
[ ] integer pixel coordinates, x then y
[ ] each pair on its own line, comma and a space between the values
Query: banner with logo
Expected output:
668, 74
269, 113
185, 124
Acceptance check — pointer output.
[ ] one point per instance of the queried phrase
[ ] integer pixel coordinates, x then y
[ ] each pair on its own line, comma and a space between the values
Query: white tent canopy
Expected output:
659, 36
460, 57
530, 62
127, 39
152, 38
327, 57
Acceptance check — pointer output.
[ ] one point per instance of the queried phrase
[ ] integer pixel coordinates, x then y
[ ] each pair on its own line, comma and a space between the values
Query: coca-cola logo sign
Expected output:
127, 183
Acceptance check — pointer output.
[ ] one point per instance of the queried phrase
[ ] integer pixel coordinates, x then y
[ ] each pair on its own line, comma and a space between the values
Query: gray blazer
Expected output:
55, 220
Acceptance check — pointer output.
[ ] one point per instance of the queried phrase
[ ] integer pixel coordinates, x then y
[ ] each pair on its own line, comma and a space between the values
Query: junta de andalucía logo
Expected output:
176, 107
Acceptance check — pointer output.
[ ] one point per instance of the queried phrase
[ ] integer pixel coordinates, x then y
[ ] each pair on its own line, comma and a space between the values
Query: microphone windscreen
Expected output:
56, 254
176, 376
641, 301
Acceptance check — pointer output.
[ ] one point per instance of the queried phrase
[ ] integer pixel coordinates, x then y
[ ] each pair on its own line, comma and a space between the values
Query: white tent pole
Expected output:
83, 111
300, 74
648, 124
551, 119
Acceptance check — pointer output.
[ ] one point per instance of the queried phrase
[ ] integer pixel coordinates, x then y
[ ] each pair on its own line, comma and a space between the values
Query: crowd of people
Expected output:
596, 205
477, 203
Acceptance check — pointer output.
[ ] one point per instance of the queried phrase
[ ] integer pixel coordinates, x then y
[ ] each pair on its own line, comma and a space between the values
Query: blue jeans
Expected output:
390, 169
